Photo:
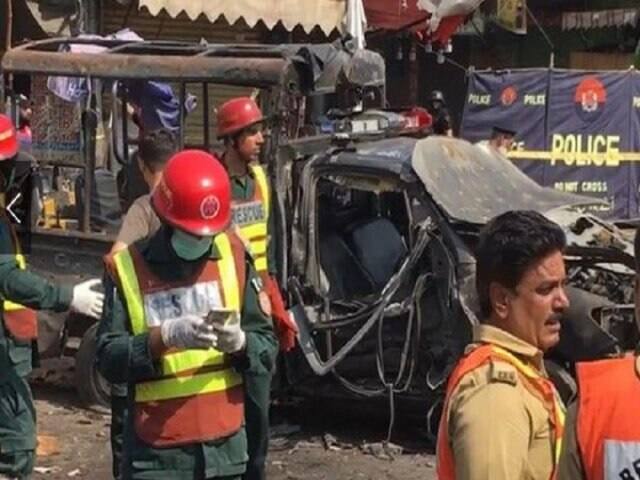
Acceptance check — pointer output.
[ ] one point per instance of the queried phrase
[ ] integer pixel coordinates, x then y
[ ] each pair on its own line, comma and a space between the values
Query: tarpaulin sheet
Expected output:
577, 131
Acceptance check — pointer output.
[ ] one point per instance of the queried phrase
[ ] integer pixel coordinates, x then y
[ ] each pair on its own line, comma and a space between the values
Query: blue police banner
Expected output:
585, 139
634, 126
513, 99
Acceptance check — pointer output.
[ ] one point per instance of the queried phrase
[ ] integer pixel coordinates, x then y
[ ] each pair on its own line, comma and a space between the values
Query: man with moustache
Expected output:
502, 417
602, 434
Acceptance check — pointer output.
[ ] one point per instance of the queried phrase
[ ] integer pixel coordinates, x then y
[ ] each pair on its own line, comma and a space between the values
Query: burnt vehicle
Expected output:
375, 227
380, 265
84, 139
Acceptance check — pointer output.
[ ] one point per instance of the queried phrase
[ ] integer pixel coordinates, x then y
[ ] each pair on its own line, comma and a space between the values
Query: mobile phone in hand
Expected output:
221, 316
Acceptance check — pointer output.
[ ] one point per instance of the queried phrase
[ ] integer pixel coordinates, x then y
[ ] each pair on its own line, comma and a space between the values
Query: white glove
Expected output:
189, 331
86, 301
230, 337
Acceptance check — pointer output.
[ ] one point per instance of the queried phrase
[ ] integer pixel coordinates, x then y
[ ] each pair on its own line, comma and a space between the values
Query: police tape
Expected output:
606, 159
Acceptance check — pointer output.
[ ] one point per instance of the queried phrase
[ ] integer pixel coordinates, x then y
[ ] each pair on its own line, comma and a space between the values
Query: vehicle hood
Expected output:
474, 183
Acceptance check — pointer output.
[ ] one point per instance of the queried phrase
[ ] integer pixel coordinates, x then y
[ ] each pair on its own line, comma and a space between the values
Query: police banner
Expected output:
582, 140
514, 98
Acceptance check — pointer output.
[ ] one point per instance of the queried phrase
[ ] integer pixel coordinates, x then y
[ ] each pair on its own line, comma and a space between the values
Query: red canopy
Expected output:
396, 14
391, 14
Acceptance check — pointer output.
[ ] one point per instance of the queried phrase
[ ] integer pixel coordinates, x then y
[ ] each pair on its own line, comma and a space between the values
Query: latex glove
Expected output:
87, 301
190, 331
230, 337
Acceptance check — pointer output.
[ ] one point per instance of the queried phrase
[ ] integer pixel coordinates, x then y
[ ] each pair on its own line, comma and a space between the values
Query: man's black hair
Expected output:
156, 148
508, 246
501, 130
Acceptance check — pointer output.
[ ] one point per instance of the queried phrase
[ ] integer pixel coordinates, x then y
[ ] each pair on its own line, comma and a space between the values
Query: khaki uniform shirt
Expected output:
498, 430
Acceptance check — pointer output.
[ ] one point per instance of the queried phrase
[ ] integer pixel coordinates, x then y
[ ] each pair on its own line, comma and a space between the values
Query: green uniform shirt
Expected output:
30, 290
243, 188
125, 358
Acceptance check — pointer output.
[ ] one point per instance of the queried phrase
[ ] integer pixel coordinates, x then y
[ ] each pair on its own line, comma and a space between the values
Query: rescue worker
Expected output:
602, 434
154, 150
240, 124
21, 292
502, 417
184, 374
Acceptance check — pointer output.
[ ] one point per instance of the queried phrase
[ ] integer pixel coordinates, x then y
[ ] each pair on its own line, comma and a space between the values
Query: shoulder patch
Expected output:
265, 303
503, 373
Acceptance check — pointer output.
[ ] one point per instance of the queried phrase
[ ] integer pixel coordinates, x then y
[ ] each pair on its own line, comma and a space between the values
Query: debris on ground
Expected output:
47, 446
382, 450
47, 470
332, 443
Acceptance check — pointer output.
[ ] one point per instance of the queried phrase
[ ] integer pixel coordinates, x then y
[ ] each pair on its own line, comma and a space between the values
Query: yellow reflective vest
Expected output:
198, 395
252, 219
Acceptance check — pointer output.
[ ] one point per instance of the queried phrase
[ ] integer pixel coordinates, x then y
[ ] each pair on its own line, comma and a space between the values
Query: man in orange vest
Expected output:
502, 418
186, 319
602, 434
22, 291
240, 123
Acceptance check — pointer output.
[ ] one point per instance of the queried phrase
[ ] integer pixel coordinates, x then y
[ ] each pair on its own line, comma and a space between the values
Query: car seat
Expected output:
378, 247
345, 276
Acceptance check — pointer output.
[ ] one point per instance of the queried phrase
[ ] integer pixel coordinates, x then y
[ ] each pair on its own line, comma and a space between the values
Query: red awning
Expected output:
397, 14
393, 14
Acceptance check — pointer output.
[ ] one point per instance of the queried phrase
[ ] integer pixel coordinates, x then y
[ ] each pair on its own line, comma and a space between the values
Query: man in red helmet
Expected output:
22, 292
240, 126
186, 319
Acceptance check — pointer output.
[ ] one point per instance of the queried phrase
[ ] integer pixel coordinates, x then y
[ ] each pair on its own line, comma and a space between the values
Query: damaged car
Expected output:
377, 255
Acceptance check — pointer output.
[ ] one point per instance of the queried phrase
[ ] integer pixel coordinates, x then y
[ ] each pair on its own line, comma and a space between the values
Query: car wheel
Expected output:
562, 380
91, 386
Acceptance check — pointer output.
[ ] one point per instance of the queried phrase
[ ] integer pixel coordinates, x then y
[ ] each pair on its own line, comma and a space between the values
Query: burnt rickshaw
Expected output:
84, 173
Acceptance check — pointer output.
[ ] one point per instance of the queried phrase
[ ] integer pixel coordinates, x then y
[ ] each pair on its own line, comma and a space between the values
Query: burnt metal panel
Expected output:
321, 67
240, 71
473, 183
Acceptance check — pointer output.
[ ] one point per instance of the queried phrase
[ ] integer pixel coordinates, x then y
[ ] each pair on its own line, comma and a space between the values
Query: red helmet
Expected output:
194, 194
8, 138
237, 114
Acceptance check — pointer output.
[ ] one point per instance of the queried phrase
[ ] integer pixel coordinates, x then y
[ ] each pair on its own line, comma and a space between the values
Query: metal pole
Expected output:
542, 30
9, 24
206, 113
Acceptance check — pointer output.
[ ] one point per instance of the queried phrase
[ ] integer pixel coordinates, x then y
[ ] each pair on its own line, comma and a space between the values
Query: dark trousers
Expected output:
256, 410
17, 428
118, 419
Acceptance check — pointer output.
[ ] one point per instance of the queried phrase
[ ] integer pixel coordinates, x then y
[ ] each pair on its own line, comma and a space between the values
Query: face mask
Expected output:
190, 247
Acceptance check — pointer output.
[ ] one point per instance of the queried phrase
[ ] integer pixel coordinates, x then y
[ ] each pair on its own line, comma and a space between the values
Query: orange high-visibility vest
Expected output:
252, 218
198, 396
539, 385
608, 425
21, 322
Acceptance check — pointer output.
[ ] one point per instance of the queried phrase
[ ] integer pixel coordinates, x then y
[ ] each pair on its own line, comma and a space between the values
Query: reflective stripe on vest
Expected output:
254, 230
175, 363
540, 386
198, 395
20, 321
608, 426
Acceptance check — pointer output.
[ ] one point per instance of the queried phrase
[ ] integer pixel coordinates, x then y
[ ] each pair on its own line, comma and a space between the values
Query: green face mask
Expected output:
190, 247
